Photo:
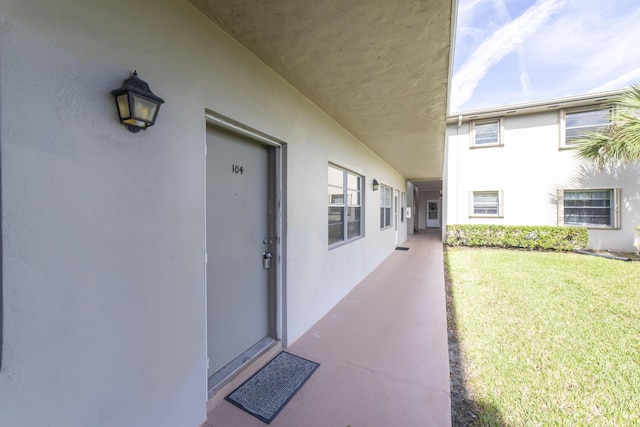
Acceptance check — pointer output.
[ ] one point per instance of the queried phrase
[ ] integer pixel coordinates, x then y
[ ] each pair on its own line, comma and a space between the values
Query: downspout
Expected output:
458, 169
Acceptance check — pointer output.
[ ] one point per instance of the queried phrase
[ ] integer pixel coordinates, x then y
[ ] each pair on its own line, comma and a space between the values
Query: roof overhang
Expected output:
380, 69
597, 99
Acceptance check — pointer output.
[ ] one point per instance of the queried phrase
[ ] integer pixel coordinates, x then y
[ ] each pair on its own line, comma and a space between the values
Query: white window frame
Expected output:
616, 197
385, 209
347, 204
568, 111
472, 132
403, 205
499, 207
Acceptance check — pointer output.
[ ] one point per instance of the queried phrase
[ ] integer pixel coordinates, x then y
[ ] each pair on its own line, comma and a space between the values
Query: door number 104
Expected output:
237, 169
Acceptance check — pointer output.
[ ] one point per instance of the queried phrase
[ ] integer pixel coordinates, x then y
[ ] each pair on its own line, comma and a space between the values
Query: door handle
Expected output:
266, 260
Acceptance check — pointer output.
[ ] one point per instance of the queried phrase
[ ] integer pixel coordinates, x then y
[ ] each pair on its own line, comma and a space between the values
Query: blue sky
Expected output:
513, 51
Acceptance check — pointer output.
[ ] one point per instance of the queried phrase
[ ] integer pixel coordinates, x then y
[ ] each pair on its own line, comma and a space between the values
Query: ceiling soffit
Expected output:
379, 68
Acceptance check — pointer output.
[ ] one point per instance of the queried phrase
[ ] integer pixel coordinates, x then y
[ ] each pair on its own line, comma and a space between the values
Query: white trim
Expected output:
232, 125
602, 98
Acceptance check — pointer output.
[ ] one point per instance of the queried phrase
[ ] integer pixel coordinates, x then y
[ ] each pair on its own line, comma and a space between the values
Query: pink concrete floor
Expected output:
382, 349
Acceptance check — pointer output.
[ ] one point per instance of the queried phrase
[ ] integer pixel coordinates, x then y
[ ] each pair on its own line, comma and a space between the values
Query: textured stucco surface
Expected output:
381, 69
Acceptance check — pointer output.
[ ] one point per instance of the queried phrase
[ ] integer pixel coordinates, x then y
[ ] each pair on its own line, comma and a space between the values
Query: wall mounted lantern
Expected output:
375, 185
137, 105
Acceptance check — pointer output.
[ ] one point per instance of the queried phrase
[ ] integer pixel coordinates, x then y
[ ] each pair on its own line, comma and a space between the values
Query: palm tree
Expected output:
620, 142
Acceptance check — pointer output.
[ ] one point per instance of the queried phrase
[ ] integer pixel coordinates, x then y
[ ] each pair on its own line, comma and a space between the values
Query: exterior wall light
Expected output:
137, 106
376, 185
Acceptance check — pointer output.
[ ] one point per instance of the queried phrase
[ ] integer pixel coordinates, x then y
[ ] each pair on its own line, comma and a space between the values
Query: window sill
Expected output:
593, 226
485, 146
344, 242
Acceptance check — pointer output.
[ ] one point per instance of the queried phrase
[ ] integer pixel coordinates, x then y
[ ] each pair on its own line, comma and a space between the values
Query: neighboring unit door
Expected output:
396, 216
433, 213
237, 240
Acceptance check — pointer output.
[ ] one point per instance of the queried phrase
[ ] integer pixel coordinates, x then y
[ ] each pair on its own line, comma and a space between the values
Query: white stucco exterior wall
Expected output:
103, 230
530, 169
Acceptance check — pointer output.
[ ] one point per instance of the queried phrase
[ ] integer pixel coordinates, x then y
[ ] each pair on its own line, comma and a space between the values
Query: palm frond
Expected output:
595, 148
620, 142
630, 99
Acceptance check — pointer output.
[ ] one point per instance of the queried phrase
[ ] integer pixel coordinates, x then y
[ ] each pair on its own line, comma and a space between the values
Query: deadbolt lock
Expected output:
266, 260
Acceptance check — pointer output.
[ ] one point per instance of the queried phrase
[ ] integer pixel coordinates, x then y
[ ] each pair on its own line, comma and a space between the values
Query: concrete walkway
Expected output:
382, 349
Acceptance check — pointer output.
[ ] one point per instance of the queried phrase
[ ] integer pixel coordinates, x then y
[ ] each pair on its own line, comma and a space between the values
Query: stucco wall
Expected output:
103, 230
530, 169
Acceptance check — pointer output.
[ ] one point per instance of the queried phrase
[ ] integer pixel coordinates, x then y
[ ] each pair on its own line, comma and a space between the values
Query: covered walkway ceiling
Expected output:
379, 68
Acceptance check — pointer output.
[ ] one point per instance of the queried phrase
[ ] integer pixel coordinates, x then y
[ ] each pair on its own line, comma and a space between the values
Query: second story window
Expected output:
486, 133
574, 124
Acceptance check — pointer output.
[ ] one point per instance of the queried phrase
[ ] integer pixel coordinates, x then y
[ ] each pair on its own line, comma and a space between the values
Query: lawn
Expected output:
546, 338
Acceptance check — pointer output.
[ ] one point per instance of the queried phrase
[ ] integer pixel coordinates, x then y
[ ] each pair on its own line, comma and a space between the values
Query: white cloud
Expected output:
525, 81
497, 46
624, 80
591, 45
470, 4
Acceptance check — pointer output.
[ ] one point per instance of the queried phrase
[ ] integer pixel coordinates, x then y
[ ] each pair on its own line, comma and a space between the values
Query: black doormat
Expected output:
272, 387
401, 248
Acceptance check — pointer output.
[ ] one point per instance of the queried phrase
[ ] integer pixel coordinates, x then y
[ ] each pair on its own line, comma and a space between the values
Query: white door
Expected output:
433, 213
396, 215
238, 240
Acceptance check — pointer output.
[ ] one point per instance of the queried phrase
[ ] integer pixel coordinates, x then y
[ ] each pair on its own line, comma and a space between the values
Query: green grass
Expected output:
549, 338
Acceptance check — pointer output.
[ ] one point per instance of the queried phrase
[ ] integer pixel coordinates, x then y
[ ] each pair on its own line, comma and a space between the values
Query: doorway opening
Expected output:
243, 202
433, 213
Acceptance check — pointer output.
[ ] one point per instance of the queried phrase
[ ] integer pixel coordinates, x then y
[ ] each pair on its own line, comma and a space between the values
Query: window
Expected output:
575, 123
589, 208
385, 206
486, 203
345, 205
486, 133
403, 205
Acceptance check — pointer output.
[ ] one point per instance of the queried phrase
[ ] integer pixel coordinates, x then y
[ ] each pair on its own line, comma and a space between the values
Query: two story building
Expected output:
516, 165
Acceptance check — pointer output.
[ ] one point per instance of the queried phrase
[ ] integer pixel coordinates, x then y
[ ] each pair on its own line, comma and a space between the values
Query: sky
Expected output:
515, 51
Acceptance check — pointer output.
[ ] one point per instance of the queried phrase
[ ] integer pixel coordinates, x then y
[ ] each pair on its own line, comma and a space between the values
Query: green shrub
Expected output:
526, 236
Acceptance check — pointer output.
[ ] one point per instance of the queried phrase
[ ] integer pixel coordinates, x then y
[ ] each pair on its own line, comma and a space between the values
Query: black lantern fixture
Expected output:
137, 105
375, 185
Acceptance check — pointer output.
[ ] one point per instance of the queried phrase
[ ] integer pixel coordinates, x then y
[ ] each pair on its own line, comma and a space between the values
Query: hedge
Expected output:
526, 237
